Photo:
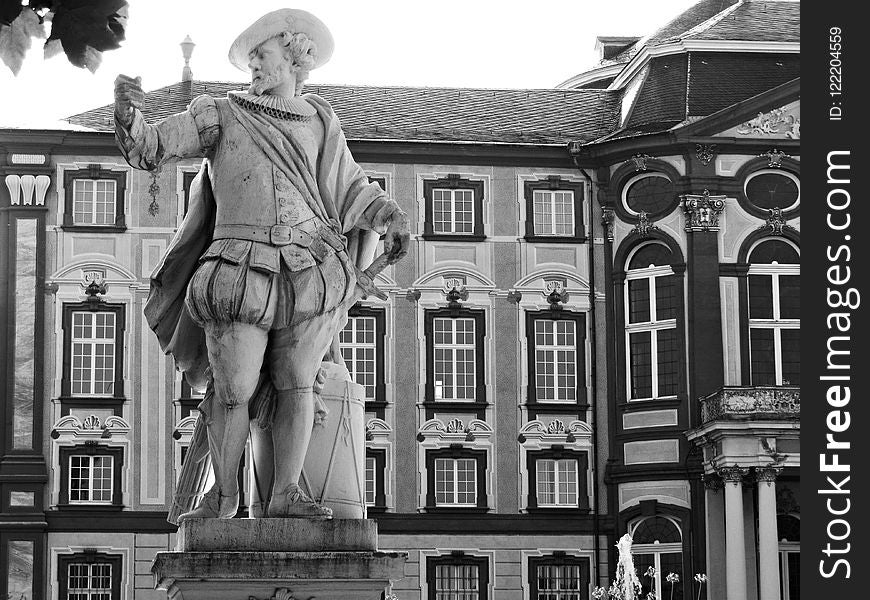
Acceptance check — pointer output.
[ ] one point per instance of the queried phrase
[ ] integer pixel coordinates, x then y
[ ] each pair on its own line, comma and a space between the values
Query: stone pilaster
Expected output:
768, 547
714, 504
735, 549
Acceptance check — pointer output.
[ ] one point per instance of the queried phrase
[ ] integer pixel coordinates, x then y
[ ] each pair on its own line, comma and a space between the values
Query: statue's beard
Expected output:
265, 83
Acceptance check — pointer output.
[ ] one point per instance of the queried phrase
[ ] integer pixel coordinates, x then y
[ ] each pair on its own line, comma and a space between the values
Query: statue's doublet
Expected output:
248, 281
248, 188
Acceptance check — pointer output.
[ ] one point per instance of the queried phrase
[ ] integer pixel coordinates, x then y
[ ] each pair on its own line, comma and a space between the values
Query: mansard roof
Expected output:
512, 116
760, 21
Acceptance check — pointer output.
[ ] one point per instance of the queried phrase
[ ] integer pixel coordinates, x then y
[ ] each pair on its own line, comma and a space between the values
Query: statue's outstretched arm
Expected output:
191, 133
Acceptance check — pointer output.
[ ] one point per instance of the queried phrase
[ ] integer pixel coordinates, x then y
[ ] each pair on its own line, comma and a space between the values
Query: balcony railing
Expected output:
752, 402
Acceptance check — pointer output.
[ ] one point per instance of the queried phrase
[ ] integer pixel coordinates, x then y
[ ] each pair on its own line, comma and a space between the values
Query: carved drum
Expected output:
334, 471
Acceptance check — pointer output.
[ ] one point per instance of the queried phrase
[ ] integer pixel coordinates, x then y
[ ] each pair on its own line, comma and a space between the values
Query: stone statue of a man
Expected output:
262, 263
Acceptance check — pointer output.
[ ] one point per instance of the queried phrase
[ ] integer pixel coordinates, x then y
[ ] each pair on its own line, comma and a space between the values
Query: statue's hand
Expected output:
398, 238
128, 96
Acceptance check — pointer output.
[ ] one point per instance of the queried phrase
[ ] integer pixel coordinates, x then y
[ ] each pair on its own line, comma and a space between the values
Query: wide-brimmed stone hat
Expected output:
276, 22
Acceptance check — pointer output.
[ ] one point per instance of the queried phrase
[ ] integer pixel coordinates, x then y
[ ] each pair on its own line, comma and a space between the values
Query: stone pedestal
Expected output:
280, 559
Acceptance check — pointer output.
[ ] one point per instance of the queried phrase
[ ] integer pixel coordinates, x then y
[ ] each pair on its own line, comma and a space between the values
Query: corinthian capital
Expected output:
702, 211
733, 474
767, 474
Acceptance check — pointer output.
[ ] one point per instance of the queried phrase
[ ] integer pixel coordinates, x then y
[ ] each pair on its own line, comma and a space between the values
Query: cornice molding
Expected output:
590, 76
641, 58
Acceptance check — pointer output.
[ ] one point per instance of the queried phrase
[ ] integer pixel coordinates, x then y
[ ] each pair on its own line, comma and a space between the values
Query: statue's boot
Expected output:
262, 465
257, 510
293, 502
214, 505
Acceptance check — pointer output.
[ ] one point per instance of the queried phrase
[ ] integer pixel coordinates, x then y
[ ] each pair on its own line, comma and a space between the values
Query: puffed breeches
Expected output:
240, 281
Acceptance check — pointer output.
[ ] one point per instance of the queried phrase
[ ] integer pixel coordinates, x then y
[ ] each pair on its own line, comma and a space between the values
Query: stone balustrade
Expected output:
781, 402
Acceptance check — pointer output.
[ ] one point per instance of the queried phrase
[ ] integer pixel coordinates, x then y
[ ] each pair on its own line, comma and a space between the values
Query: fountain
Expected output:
626, 586
626, 583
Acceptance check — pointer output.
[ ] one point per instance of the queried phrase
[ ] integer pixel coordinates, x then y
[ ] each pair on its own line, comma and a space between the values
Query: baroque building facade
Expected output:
594, 332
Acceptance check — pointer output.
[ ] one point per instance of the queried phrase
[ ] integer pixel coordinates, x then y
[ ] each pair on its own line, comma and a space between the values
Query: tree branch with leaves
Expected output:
82, 29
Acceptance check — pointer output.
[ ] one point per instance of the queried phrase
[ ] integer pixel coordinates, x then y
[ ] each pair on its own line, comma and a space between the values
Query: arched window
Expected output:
789, 534
774, 313
651, 302
657, 543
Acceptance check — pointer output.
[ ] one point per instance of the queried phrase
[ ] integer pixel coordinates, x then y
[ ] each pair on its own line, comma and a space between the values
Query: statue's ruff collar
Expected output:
293, 109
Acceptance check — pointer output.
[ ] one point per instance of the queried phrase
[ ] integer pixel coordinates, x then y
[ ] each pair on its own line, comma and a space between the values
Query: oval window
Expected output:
773, 189
650, 193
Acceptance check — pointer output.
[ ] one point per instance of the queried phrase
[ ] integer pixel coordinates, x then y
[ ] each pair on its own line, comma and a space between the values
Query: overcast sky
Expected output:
448, 43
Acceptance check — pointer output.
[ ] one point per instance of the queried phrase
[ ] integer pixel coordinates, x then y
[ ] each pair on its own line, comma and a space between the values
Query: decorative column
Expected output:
715, 518
735, 549
768, 547
703, 311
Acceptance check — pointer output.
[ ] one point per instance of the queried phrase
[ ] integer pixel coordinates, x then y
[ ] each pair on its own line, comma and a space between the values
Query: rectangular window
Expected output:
371, 480
774, 325
554, 212
555, 360
89, 581
375, 479
456, 479
666, 297
638, 300
94, 201
557, 479
457, 582
640, 348
760, 297
789, 296
557, 482
452, 211
93, 353
652, 340
455, 355
789, 574
359, 350
556, 363
455, 482
668, 357
90, 479
558, 582
663, 563
91, 475
762, 357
